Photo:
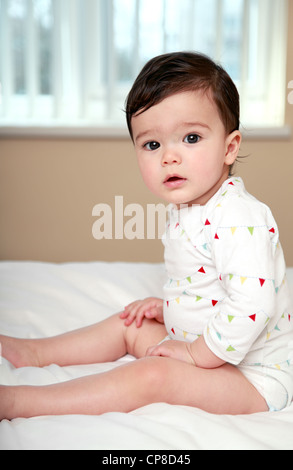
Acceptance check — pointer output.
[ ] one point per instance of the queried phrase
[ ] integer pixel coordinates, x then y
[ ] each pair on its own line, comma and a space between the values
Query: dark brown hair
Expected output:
177, 72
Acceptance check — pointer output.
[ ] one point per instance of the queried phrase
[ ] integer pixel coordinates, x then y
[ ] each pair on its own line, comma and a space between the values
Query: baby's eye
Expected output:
152, 145
192, 139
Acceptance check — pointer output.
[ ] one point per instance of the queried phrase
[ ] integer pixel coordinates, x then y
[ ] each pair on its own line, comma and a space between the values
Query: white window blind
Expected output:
72, 62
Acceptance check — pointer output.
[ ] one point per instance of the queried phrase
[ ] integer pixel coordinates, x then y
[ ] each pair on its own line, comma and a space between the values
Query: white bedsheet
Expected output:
41, 299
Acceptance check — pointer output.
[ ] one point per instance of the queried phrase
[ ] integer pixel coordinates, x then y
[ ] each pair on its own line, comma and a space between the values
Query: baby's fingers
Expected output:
143, 312
131, 306
151, 313
146, 310
124, 314
129, 319
151, 350
128, 315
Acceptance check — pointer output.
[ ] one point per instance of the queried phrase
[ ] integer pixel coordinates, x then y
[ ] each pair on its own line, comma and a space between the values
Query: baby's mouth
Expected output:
174, 181
174, 178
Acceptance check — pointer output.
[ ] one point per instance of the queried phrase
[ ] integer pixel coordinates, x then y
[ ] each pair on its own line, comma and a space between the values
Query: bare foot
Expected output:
20, 352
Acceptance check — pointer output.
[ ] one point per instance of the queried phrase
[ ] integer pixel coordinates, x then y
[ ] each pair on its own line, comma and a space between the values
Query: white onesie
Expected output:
227, 281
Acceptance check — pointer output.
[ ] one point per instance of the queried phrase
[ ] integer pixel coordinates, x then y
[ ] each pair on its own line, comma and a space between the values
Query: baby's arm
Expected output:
197, 353
150, 308
202, 356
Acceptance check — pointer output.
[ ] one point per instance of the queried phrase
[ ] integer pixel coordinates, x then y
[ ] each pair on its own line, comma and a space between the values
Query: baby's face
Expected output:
182, 148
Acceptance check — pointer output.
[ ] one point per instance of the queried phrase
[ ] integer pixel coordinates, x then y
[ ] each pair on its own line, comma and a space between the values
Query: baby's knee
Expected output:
153, 375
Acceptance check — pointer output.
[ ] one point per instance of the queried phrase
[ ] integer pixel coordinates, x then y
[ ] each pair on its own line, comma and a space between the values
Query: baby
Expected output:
222, 338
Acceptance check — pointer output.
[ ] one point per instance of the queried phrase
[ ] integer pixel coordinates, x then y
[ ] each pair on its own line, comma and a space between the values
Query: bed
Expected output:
44, 299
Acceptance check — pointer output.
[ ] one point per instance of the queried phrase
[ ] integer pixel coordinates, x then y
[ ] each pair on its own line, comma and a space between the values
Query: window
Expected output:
72, 62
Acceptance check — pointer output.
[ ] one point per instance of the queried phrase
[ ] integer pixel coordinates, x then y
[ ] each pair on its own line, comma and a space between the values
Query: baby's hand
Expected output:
150, 308
175, 349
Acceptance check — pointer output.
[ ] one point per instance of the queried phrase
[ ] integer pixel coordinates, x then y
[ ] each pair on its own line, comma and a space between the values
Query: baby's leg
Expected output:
116, 390
149, 380
103, 342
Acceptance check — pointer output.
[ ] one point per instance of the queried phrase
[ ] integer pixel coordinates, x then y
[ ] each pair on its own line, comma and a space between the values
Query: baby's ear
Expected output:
233, 143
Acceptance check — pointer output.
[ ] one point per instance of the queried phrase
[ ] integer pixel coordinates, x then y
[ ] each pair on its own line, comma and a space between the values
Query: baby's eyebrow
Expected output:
143, 134
196, 124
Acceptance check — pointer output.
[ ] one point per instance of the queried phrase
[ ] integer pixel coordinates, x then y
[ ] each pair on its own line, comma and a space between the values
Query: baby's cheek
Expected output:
150, 178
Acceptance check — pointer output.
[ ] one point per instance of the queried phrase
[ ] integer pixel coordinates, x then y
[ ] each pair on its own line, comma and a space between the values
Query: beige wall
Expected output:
48, 188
